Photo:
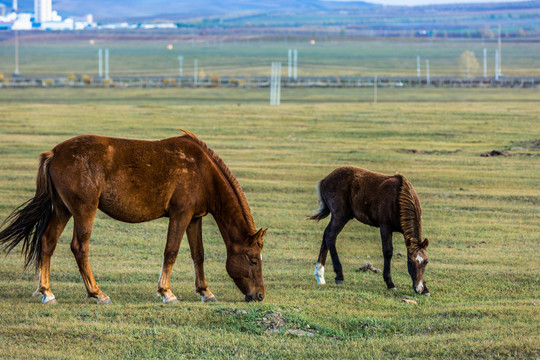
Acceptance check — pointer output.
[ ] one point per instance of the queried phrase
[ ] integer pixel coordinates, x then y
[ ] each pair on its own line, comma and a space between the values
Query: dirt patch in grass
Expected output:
428, 152
528, 144
270, 322
496, 153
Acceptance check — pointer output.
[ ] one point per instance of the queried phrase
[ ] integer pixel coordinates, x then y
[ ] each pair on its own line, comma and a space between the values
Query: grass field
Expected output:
253, 58
481, 215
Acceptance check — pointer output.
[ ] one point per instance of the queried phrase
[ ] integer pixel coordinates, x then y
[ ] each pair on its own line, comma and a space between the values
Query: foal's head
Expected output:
244, 265
417, 260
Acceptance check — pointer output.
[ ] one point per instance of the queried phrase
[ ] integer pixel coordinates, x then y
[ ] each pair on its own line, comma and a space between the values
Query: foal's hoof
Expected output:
394, 289
339, 282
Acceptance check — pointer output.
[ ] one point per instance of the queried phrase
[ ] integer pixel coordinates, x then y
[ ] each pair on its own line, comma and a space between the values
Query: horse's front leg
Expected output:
177, 227
194, 235
388, 251
330, 235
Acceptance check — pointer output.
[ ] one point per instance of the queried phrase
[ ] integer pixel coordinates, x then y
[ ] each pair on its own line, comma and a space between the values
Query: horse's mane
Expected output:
228, 175
409, 216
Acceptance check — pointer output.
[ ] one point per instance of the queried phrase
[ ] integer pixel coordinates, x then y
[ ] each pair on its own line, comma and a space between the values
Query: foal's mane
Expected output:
409, 216
224, 169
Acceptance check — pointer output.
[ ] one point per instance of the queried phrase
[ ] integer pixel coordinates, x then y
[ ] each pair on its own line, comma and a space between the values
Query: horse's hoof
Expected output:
49, 301
104, 301
339, 282
426, 294
210, 299
394, 289
170, 300
320, 280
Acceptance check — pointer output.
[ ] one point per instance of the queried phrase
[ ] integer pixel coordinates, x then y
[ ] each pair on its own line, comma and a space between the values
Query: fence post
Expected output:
275, 83
195, 72
375, 89
181, 65
428, 82
106, 63
100, 62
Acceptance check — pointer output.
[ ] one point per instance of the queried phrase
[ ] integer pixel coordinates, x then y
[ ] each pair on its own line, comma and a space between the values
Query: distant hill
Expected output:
315, 17
119, 10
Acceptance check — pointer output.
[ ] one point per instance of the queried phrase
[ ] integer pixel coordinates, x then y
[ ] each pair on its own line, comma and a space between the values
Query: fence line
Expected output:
265, 81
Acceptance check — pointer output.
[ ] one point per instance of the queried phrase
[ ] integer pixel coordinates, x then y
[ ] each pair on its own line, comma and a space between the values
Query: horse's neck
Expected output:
230, 217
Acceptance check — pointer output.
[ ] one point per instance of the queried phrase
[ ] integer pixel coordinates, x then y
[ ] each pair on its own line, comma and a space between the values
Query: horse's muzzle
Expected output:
258, 297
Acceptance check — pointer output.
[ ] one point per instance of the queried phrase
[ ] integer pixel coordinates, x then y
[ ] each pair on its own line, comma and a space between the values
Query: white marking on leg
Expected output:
319, 274
419, 259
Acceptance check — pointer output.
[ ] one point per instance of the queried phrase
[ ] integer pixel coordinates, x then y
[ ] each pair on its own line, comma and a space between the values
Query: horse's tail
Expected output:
28, 222
323, 210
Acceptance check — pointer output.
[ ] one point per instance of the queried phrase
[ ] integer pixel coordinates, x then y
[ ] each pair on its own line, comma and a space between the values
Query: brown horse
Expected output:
375, 199
134, 181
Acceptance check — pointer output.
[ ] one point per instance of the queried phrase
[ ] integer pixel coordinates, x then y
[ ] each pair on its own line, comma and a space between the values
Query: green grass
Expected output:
480, 214
253, 58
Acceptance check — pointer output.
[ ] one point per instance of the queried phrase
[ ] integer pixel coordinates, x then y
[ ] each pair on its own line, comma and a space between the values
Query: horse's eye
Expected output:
253, 261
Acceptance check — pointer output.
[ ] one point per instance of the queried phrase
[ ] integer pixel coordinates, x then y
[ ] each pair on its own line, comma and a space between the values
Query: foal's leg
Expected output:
194, 235
59, 219
330, 235
388, 251
177, 227
321, 261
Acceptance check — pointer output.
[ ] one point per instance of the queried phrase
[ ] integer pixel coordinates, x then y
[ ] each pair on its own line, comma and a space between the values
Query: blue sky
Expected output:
424, 2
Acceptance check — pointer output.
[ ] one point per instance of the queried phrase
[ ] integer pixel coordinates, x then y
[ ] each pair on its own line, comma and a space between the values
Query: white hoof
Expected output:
319, 274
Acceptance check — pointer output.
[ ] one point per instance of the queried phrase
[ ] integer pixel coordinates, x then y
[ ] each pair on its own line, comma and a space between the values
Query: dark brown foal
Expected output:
385, 201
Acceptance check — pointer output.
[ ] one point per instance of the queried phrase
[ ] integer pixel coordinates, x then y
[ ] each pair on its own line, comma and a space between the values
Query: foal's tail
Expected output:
323, 210
28, 222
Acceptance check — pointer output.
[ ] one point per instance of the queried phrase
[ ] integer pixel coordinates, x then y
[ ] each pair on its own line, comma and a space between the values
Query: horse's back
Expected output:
368, 196
131, 180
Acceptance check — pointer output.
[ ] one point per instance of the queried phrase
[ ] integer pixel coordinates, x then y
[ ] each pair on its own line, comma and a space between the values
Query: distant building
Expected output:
23, 22
43, 11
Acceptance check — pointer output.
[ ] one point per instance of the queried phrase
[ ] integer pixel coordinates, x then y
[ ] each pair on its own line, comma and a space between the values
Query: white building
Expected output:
22, 22
42, 11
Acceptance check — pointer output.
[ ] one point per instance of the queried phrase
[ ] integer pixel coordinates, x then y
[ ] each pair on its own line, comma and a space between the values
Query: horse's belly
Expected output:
132, 208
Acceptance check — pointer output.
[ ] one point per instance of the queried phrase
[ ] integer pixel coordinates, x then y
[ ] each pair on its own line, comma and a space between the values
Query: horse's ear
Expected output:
257, 238
425, 243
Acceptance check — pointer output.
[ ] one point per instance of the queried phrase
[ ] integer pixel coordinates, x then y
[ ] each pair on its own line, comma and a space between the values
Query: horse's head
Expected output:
244, 265
417, 260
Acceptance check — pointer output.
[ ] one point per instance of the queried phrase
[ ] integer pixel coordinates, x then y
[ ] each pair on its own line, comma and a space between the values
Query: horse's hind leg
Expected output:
59, 219
388, 250
330, 235
177, 227
80, 247
194, 235
321, 261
